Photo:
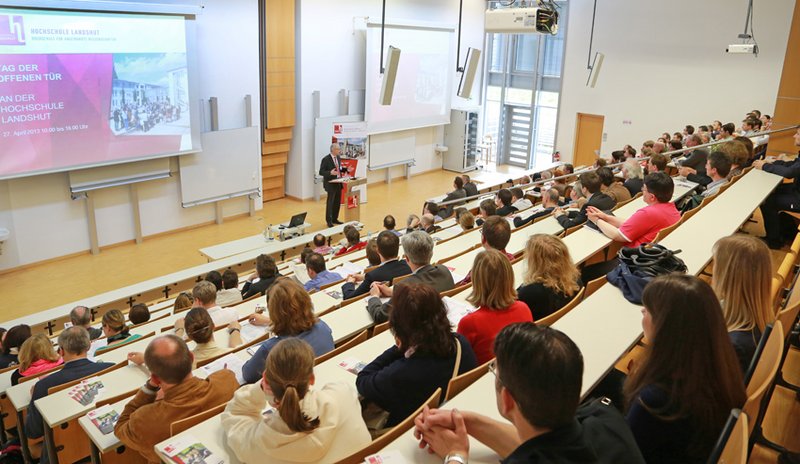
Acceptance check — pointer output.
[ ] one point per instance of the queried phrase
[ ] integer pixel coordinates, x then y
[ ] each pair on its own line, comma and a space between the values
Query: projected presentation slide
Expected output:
81, 89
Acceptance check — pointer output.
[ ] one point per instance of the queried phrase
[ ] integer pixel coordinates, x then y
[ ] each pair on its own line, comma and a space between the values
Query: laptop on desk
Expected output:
297, 220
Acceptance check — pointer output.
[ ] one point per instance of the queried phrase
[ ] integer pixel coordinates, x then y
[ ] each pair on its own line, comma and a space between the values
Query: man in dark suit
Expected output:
418, 251
73, 344
786, 197
390, 267
81, 316
590, 185
549, 203
331, 168
469, 186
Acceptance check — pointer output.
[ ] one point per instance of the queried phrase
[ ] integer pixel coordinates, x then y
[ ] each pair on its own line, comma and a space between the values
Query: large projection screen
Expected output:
424, 85
84, 89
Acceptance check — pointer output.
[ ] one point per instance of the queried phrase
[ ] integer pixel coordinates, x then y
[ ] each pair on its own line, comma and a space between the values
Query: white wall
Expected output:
331, 57
45, 222
666, 66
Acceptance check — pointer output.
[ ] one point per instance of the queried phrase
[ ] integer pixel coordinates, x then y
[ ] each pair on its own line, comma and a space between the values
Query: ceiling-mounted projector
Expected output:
522, 20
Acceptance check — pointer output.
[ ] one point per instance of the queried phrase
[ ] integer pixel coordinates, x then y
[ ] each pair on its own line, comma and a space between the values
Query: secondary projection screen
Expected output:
423, 89
82, 89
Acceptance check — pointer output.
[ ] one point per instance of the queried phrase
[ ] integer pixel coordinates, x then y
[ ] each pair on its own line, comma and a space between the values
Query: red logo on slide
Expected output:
12, 31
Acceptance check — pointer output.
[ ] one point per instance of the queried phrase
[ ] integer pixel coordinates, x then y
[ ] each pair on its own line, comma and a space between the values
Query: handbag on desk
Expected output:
638, 266
376, 417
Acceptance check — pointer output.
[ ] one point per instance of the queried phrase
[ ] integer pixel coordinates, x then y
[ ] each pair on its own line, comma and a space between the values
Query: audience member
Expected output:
576, 195
215, 278
199, 328
632, 173
458, 193
551, 279
427, 224
73, 345
688, 130
466, 221
503, 201
422, 359
538, 374
12, 341
717, 168
469, 186
660, 147
390, 224
116, 331
745, 297
139, 314
590, 187
2, 336
389, 268
205, 295
495, 235
749, 148
518, 200
725, 133
645, 223
600, 162
679, 396
784, 197
618, 156
738, 155
36, 356
322, 425
487, 208
318, 274
433, 209
230, 294
80, 316
550, 200
494, 295
412, 223
418, 251
183, 302
615, 190
321, 245
266, 273
354, 242
678, 136
657, 163
170, 394
630, 152
291, 314
373, 258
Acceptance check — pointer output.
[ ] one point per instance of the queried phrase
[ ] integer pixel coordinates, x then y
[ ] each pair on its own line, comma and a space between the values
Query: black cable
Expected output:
383, 28
591, 37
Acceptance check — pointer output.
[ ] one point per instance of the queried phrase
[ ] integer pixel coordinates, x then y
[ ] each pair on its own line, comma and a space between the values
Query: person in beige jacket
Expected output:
303, 425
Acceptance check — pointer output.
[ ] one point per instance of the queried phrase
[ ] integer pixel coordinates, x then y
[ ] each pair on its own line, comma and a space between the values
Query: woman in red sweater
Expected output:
494, 295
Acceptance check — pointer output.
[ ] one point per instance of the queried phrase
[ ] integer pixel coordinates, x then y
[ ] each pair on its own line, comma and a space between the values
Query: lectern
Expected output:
351, 198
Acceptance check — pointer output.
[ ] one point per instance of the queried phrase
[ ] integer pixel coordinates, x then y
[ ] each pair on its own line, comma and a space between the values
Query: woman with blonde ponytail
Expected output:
304, 425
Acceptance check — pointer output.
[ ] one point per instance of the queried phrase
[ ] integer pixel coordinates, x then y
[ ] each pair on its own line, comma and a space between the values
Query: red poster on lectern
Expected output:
351, 165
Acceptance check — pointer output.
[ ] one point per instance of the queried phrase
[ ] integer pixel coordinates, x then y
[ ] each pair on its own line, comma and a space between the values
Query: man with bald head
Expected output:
80, 316
145, 422
331, 168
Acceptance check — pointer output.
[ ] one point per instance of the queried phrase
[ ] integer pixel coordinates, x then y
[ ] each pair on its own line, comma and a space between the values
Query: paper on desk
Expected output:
386, 457
86, 391
104, 418
456, 276
457, 309
300, 272
189, 450
352, 365
348, 268
250, 331
96, 345
231, 362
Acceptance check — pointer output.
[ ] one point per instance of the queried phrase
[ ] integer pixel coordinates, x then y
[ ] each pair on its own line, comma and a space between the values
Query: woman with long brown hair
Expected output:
551, 278
291, 314
423, 358
494, 295
306, 425
745, 297
679, 396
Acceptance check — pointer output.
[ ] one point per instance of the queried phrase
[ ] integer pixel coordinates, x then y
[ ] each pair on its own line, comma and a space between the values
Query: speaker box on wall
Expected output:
595, 71
389, 76
468, 75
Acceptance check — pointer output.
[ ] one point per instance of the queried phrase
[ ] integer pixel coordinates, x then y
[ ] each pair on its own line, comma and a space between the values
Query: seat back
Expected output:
788, 316
551, 319
764, 374
458, 383
393, 433
380, 328
572, 229
731, 447
666, 231
342, 348
456, 290
593, 285
189, 422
